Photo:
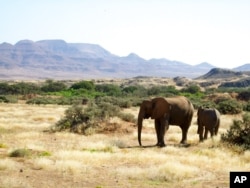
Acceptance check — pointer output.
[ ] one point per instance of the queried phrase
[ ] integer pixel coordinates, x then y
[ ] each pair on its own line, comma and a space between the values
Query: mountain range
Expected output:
57, 59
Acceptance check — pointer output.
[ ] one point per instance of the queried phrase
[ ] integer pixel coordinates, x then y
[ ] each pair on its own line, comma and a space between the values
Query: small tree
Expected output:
239, 132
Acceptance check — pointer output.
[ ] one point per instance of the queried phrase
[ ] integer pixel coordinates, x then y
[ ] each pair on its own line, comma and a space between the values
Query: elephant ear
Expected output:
159, 108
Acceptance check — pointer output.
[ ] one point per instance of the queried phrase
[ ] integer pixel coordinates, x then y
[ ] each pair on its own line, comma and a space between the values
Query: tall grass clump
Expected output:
239, 133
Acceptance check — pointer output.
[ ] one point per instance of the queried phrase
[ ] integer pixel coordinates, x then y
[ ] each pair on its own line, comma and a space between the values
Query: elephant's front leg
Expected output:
161, 127
201, 131
164, 127
157, 130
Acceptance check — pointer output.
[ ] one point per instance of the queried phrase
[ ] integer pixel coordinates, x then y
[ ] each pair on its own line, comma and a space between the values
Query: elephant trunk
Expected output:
139, 123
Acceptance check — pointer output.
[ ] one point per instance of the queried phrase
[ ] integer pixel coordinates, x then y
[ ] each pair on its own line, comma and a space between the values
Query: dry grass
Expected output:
108, 160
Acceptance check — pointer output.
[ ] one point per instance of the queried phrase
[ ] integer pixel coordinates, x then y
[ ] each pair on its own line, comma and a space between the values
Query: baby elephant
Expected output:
210, 119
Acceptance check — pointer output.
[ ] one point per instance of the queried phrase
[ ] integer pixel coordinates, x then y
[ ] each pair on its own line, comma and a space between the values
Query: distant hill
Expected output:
57, 59
243, 67
218, 73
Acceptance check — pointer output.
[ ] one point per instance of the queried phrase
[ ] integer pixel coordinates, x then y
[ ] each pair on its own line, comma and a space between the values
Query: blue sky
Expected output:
191, 31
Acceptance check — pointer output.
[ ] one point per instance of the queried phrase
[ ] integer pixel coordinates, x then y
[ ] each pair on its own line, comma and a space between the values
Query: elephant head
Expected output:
155, 109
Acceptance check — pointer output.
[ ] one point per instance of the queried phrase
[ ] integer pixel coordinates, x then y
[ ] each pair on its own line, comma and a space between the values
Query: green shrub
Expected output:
3, 99
116, 101
109, 89
129, 89
2, 145
197, 102
55, 100
192, 89
23, 152
20, 153
229, 106
101, 110
162, 91
86, 120
44, 154
88, 85
18, 88
246, 106
244, 95
52, 86
239, 133
9, 99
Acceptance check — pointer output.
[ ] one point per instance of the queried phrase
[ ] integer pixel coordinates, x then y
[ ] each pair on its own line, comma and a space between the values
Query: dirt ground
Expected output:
65, 159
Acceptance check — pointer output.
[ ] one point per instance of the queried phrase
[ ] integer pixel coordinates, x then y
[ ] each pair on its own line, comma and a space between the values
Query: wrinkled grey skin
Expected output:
166, 111
208, 119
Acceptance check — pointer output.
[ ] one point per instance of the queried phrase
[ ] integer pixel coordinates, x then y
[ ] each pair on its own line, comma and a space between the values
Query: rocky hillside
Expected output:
217, 77
218, 73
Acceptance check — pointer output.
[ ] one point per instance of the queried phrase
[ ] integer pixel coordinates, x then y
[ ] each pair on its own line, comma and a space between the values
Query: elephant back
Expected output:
180, 107
208, 114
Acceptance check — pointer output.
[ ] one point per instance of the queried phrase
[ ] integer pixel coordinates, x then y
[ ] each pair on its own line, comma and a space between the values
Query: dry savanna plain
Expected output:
112, 159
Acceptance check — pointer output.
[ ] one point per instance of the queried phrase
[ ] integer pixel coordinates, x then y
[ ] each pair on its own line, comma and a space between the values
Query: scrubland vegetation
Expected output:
83, 134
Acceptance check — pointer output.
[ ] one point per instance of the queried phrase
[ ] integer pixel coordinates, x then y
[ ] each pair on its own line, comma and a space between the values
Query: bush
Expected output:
197, 102
73, 117
55, 100
86, 120
163, 91
3, 99
229, 107
129, 89
127, 117
239, 133
246, 106
117, 101
109, 89
91, 119
88, 85
20, 153
52, 86
18, 88
192, 89
244, 95
101, 110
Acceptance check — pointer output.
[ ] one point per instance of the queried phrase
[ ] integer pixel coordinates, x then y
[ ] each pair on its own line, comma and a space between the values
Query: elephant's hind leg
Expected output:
201, 137
206, 133
157, 129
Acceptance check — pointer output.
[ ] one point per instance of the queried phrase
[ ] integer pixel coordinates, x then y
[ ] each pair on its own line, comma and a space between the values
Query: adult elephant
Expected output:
166, 111
208, 118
